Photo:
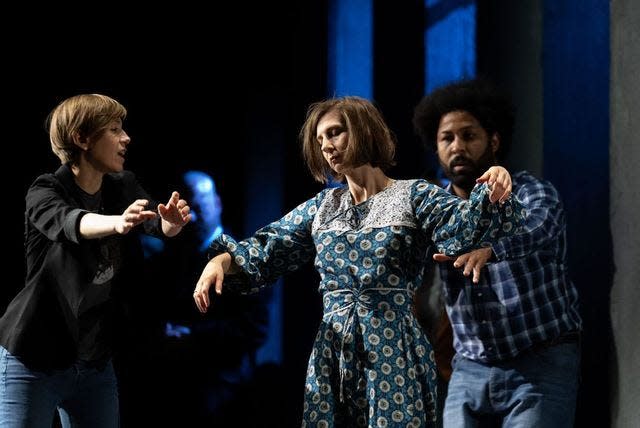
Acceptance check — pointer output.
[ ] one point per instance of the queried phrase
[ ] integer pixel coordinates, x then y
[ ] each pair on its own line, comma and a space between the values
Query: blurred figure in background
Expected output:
200, 364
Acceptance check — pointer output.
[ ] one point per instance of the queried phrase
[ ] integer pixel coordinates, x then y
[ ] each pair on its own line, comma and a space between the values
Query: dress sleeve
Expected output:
457, 226
280, 247
50, 212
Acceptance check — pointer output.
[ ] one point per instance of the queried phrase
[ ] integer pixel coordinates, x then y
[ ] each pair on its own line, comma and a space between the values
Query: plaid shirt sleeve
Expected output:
544, 218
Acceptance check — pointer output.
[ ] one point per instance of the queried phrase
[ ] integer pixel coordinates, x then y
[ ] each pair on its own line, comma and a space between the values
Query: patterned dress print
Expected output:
371, 364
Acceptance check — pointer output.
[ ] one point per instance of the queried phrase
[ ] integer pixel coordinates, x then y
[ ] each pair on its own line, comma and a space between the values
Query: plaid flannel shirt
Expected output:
524, 297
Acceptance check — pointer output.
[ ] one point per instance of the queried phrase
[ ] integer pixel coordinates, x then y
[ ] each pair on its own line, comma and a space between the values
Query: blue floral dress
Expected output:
371, 364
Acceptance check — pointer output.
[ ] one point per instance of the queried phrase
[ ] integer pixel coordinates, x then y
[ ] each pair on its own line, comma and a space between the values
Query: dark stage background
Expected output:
227, 92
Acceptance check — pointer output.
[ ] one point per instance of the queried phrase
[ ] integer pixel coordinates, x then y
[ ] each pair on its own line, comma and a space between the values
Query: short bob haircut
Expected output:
370, 141
478, 97
80, 117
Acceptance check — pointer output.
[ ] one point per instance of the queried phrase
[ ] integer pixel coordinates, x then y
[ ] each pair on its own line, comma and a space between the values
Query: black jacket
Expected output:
41, 324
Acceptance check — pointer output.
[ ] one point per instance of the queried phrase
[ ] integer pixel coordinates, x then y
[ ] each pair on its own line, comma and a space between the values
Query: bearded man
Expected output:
516, 326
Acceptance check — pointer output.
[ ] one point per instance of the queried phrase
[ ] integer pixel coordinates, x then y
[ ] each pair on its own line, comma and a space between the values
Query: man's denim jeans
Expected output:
536, 389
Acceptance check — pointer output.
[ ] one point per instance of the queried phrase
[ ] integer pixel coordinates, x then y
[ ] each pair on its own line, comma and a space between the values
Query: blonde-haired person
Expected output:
56, 334
371, 364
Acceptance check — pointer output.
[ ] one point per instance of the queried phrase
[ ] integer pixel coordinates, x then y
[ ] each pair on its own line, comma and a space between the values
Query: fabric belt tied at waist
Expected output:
349, 301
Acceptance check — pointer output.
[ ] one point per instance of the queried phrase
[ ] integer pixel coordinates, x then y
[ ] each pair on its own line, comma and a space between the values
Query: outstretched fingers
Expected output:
213, 274
473, 262
498, 180
133, 215
201, 294
440, 258
176, 211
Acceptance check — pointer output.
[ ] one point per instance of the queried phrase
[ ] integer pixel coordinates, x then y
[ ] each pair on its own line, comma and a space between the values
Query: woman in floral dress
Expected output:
371, 364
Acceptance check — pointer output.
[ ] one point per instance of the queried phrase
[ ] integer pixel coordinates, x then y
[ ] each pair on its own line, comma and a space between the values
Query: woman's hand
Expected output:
133, 216
499, 181
213, 273
175, 214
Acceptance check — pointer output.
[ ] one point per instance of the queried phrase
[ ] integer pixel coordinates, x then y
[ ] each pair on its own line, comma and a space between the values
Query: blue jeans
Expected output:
536, 389
84, 396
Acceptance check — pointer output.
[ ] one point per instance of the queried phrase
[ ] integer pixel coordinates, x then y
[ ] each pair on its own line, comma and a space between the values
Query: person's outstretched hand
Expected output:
176, 211
499, 181
133, 216
473, 261
213, 273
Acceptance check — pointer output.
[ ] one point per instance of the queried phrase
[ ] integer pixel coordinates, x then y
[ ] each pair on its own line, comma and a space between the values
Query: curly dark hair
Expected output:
479, 97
